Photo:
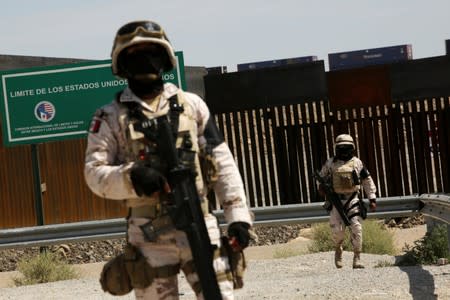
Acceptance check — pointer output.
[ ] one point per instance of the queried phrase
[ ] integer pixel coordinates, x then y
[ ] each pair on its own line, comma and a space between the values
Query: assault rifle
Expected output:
333, 197
184, 208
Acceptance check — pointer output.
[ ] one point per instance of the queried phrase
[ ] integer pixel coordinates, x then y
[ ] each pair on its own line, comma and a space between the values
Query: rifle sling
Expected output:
175, 110
340, 209
347, 209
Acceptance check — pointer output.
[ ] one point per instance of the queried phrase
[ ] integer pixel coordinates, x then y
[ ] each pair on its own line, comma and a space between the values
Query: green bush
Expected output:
429, 249
376, 239
46, 267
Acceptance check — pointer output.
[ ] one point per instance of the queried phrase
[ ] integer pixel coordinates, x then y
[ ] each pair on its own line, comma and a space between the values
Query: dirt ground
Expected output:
297, 246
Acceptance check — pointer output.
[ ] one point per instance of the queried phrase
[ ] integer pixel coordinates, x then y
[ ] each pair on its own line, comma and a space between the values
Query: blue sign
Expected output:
374, 56
275, 63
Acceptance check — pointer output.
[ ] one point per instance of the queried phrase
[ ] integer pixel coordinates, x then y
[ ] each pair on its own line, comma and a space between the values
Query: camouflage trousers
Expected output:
338, 227
171, 247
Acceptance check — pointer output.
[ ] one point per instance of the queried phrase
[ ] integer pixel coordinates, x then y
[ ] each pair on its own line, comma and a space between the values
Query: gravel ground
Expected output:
100, 251
311, 276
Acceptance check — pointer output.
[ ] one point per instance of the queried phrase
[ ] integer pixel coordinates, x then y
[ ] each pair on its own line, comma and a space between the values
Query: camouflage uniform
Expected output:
340, 172
111, 153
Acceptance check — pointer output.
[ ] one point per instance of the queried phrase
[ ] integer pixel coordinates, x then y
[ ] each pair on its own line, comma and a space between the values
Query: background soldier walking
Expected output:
345, 174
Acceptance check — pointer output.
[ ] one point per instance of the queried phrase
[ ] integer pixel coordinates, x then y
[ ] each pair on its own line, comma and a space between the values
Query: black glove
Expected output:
239, 230
146, 181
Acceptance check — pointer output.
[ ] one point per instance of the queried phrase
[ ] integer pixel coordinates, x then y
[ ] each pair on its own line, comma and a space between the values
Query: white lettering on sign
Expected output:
54, 90
72, 87
50, 127
168, 77
81, 86
369, 56
21, 93
112, 83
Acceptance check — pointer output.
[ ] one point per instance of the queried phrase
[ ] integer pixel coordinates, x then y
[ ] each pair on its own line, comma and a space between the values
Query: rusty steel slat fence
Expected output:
276, 148
403, 145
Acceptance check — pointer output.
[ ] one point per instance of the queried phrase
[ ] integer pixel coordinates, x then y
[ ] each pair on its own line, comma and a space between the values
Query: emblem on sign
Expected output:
44, 111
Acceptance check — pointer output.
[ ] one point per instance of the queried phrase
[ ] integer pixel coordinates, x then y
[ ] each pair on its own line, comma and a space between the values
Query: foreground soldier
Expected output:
347, 173
123, 164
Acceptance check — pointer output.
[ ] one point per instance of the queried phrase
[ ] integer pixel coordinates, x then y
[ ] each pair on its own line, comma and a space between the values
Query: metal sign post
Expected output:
37, 185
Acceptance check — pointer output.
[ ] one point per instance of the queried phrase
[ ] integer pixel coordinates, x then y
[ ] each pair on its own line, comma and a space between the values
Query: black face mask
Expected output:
144, 68
344, 152
145, 63
141, 63
141, 88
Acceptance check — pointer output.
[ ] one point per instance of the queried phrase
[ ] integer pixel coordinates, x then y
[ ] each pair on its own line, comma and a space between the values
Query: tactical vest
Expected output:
343, 178
142, 150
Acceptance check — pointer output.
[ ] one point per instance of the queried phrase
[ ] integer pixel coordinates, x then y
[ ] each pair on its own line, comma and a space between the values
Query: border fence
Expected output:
280, 124
404, 146
277, 149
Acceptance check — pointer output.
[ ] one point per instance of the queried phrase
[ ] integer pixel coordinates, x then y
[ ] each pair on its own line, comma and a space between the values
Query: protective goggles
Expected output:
344, 147
141, 28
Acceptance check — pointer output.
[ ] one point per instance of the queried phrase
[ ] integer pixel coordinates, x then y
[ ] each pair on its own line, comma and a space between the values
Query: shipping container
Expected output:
367, 57
217, 70
275, 63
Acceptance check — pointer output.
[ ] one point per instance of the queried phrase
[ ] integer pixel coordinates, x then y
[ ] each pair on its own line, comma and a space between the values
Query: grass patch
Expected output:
376, 239
384, 264
46, 267
287, 252
429, 249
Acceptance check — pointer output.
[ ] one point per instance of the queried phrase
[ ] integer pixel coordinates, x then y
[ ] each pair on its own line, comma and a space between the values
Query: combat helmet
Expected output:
344, 147
138, 32
344, 139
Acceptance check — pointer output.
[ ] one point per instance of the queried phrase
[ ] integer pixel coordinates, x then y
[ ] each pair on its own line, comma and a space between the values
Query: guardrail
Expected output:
436, 206
115, 228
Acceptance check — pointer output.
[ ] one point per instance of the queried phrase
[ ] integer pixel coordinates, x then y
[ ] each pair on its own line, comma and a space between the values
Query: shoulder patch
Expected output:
96, 122
95, 125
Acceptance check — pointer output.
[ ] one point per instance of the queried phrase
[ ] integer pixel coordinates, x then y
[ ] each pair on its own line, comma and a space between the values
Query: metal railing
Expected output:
436, 206
275, 215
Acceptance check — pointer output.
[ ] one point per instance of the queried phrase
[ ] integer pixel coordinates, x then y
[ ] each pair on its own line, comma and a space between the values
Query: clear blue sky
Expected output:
212, 33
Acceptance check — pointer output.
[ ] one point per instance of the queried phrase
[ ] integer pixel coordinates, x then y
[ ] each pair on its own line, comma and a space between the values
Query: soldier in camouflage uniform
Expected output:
121, 164
347, 174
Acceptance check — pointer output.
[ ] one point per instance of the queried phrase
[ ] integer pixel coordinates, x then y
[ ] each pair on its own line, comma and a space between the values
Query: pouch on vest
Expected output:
141, 274
343, 181
114, 278
208, 165
237, 263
